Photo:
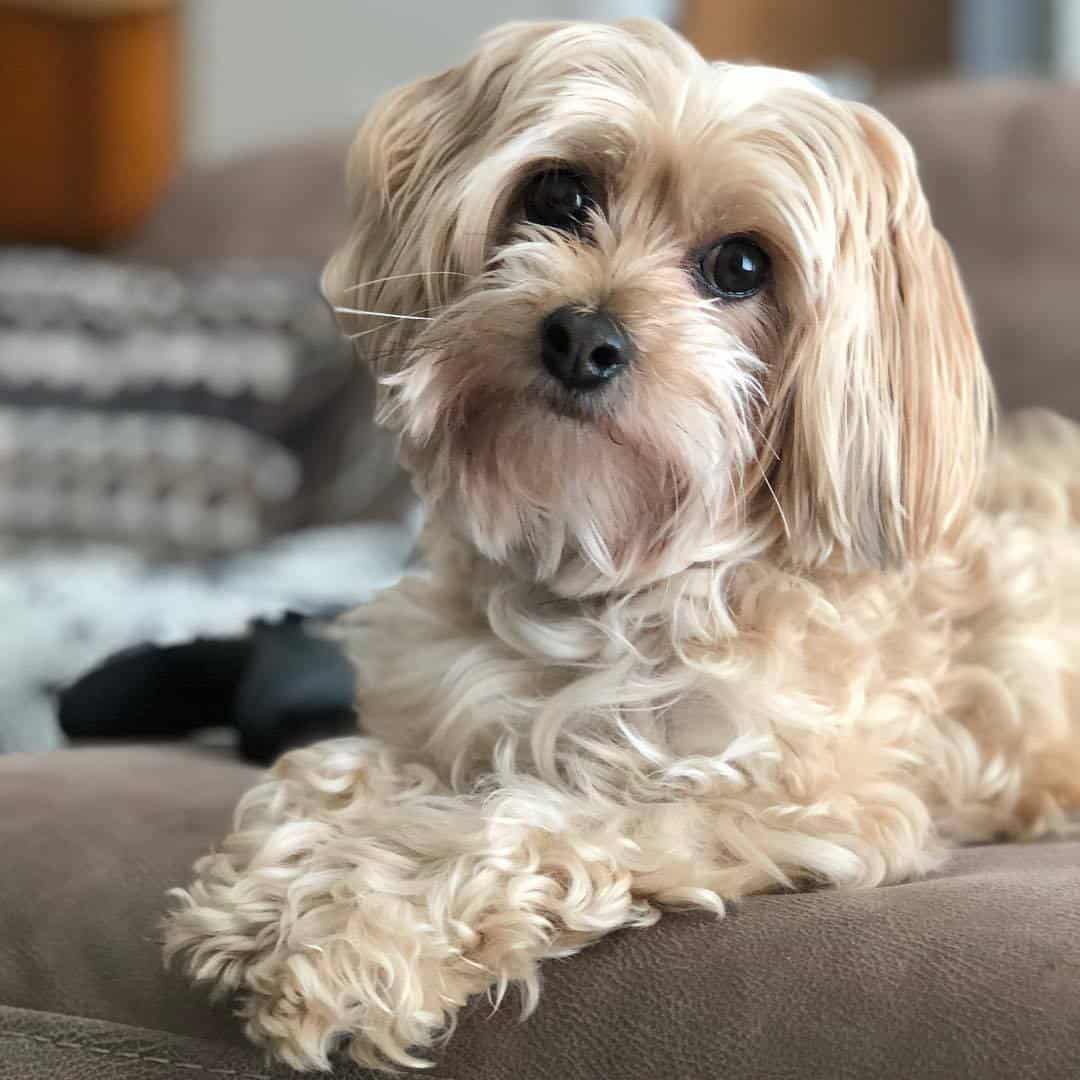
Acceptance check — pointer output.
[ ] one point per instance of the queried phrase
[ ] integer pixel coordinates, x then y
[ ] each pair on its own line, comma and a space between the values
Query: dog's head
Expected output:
630, 311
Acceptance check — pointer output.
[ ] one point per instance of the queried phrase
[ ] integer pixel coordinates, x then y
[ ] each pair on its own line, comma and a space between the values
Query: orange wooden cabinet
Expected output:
890, 38
89, 117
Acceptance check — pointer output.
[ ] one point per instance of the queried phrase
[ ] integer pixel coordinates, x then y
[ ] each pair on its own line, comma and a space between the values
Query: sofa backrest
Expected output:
1001, 166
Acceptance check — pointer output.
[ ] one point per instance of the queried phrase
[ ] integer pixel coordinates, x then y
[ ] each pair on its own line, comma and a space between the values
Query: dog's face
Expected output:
640, 311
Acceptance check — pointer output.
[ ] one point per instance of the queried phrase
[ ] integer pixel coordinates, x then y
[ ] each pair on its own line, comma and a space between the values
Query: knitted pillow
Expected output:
183, 413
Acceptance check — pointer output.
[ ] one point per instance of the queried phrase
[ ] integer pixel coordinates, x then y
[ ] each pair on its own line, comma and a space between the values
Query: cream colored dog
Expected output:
728, 589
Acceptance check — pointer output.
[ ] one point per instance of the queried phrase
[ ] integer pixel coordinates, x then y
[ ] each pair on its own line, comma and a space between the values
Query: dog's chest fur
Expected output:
826, 676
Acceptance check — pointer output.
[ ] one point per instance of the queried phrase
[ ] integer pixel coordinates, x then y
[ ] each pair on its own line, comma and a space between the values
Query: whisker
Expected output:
765, 440
382, 314
395, 349
764, 473
383, 325
364, 333
398, 277
780, 509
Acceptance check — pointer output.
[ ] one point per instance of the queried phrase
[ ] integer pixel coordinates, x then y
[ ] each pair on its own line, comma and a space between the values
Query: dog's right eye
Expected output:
559, 199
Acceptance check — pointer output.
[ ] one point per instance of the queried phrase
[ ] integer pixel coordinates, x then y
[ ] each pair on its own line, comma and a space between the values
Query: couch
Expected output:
972, 972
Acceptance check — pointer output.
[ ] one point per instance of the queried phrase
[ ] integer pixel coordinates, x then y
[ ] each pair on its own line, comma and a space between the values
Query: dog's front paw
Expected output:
369, 987
381, 987
319, 924
362, 959
358, 900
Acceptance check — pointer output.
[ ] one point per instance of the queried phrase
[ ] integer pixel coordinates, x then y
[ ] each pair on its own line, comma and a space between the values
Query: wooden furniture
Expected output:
889, 38
89, 116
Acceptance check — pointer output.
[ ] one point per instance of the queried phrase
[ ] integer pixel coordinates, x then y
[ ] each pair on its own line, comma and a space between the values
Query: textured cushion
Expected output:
1001, 166
975, 972
178, 413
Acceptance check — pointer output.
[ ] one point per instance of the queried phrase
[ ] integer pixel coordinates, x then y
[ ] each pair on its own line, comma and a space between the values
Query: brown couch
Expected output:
974, 972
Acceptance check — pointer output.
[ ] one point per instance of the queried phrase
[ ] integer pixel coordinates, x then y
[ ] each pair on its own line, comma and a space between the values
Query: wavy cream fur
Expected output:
774, 612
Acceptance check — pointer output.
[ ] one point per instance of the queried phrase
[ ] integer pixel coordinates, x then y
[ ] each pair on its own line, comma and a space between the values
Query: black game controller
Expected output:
280, 686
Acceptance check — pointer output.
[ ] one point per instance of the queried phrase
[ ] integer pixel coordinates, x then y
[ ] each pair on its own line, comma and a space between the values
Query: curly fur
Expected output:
775, 612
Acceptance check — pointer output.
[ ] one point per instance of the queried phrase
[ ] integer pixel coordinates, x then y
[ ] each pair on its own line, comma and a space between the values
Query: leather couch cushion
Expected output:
90, 839
975, 972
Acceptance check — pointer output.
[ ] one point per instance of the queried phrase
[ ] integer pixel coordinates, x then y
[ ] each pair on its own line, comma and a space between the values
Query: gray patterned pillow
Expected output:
182, 413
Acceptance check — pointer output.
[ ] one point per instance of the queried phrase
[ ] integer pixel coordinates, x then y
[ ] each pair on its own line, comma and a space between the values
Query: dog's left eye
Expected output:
559, 199
735, 268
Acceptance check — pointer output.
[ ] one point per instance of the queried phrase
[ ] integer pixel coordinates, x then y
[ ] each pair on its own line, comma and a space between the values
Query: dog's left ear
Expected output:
407, 170
885, 405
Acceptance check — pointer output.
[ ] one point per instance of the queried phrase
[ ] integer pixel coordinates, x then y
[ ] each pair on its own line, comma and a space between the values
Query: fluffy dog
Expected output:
729, 588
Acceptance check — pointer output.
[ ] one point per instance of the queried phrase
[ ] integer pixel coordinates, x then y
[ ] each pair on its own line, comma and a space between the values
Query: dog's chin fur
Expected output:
769, 609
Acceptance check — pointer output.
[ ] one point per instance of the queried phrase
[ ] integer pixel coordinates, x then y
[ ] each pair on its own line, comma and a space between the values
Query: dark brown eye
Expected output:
737, 267
559, 199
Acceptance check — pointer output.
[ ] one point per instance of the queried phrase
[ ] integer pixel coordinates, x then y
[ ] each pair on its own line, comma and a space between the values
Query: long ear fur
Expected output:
885, 406
414, 146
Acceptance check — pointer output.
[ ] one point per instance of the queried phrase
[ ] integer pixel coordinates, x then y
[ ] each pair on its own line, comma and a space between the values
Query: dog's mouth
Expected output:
583, 406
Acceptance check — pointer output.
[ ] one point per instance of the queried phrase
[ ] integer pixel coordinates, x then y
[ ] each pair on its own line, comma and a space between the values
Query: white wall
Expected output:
1065, 42
264, 71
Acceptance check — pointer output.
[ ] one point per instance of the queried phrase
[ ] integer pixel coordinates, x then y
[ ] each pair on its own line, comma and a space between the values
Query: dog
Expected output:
733, 582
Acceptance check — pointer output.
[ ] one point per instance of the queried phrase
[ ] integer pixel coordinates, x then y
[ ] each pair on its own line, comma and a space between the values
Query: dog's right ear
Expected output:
406, 171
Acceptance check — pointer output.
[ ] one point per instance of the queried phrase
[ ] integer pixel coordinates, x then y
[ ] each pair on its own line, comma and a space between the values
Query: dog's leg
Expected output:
359, 897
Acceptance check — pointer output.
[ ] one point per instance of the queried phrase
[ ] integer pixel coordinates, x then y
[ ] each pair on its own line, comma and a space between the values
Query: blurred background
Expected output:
130, 91
185, 444
303, 74
262, 70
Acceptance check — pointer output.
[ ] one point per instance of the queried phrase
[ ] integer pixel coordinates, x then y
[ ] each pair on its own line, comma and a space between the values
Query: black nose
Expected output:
583, 349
